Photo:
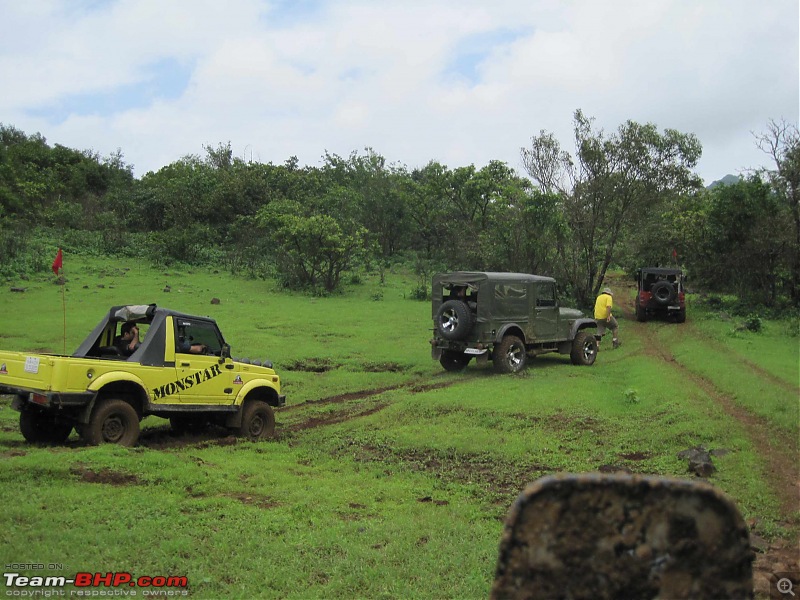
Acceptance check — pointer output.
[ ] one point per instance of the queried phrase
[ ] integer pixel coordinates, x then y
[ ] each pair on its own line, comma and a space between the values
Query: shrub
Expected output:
420, 293
753, 323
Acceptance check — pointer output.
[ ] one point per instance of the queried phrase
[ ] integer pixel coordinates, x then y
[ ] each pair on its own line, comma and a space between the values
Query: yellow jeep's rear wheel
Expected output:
112, 422
42, 428
258, 421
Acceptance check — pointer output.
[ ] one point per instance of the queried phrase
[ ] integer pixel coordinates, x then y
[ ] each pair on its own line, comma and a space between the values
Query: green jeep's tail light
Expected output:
39, 399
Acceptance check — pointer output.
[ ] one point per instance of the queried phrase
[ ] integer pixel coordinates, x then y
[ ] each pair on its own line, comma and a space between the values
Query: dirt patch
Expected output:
104, 475
287, 431
13, 453
383, 367
164, 438
635, 456
330, 419
414, 388
341, 398
427, 499
263, 502
228, 440
614, 469
312, 365
500, 481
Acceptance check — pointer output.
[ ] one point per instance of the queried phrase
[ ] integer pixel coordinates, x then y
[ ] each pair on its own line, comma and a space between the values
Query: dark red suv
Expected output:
660, 292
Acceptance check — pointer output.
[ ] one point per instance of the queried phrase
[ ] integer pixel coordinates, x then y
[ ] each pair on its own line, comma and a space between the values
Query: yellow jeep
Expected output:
181, 369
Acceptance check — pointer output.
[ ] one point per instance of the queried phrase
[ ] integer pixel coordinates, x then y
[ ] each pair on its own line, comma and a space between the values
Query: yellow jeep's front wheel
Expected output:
112, 422
258, 421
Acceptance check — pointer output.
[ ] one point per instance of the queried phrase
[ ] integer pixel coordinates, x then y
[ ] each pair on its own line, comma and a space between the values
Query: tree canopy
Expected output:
623, 199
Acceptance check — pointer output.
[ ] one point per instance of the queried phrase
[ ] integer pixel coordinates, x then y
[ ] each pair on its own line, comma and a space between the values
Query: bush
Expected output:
23, 251
420, 293
753, 323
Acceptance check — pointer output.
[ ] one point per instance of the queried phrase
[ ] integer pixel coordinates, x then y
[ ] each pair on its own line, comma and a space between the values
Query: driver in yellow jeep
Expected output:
603, 316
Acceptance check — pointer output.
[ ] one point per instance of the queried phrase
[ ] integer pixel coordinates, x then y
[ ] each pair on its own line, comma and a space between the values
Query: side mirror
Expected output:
224, 352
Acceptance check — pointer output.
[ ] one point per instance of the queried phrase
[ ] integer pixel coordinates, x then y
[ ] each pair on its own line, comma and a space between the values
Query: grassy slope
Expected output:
406, 500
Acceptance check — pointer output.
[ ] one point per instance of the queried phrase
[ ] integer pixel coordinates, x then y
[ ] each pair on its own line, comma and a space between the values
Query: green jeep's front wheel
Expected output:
509, 356
112, 422
41, 428
584, 349
258, 421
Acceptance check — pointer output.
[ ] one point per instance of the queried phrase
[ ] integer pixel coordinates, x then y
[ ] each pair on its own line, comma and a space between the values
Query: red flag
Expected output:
674, 255
58, 263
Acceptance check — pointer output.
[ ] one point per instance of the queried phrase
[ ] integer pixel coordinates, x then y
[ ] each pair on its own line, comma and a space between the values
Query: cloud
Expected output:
457, 82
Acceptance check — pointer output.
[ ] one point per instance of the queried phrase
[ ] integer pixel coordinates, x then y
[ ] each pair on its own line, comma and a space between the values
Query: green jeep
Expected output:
505, 317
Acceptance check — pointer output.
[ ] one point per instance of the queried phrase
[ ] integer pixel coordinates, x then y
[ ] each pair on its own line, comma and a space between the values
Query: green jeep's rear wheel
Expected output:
509, 356
454, 361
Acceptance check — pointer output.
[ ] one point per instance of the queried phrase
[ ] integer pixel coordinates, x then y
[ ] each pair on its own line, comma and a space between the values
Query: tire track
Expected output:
413, 387
778, 448
751, 366
341, 416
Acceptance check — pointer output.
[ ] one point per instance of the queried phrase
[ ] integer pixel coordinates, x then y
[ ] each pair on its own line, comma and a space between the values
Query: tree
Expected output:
311, 251
376, 196
743, 241
613, 183
523, 232
781, 142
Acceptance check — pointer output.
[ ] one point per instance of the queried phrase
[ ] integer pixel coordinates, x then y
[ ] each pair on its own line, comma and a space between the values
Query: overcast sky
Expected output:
461, 82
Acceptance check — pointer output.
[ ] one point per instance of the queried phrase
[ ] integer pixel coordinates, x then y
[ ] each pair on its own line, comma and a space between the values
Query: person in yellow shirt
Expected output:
603, 316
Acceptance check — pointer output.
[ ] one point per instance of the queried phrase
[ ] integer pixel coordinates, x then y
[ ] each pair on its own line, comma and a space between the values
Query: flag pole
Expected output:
58, 265
64, 306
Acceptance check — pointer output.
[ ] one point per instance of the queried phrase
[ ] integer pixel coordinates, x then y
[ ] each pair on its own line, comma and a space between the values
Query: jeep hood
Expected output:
570, 314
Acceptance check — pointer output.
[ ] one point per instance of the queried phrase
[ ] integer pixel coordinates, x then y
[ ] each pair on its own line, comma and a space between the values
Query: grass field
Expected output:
389, 477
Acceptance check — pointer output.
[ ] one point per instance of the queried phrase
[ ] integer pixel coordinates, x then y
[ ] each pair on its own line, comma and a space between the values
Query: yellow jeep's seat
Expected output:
110, 352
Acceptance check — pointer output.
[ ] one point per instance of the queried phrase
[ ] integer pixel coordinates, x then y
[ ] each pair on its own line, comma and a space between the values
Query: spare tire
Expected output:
664, 292
454, 320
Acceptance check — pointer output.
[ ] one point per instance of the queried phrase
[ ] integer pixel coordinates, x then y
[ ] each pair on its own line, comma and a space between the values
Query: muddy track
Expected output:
331, 419
778, 448
348, 415
413, 388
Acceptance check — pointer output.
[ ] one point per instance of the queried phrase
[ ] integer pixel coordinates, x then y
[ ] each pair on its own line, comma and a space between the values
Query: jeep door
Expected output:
545, 321
203, 378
